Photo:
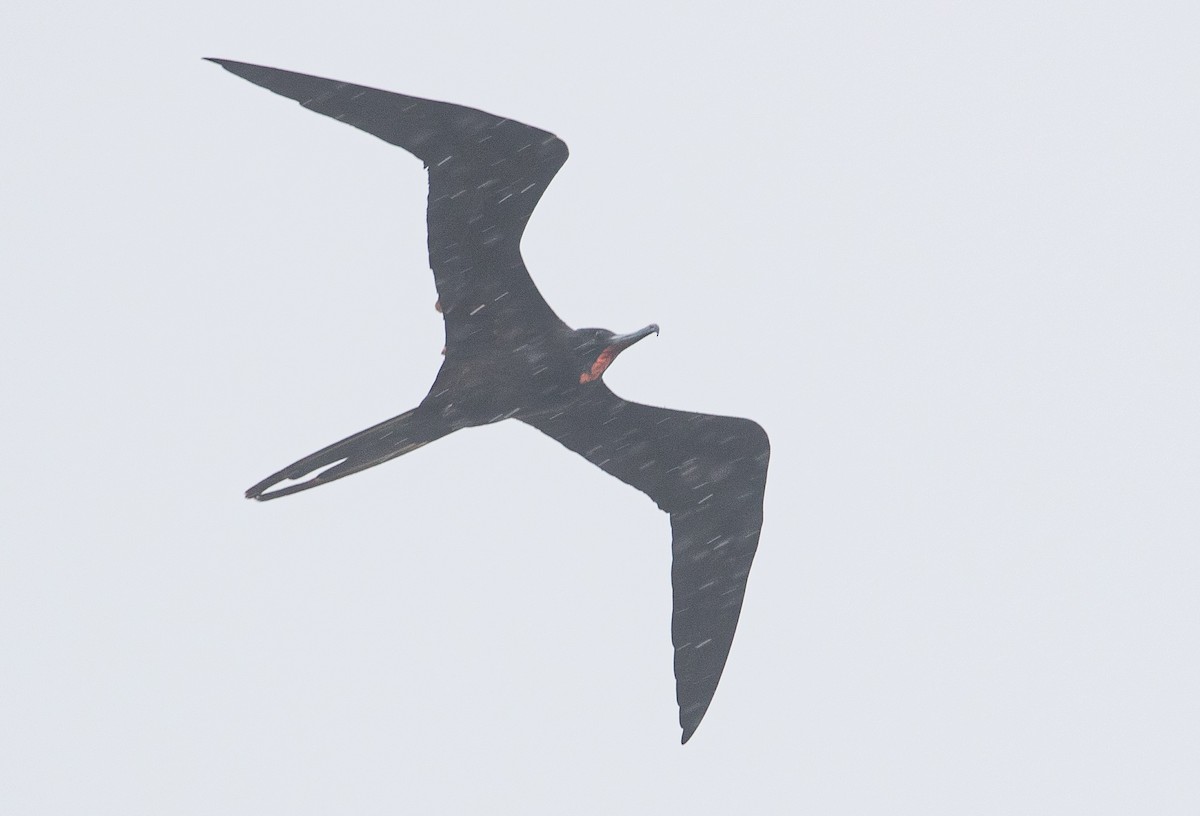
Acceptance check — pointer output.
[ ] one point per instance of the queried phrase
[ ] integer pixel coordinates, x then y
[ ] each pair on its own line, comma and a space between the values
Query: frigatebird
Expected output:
509, 356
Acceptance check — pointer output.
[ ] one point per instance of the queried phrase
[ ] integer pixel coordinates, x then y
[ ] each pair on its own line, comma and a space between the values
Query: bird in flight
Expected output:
509, 356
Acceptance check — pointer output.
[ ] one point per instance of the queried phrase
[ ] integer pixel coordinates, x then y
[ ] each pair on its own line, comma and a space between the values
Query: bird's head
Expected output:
595, 349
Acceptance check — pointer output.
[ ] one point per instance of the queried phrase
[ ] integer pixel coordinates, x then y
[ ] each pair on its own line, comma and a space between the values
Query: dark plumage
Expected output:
508, 356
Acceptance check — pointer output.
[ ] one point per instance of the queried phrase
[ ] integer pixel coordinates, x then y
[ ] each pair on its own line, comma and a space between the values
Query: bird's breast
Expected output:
481, 386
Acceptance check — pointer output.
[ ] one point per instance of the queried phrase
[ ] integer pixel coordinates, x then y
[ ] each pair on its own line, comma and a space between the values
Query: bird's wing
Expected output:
486, 174
710, 474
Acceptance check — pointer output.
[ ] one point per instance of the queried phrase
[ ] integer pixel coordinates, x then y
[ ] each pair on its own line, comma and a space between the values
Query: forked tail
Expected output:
377, 444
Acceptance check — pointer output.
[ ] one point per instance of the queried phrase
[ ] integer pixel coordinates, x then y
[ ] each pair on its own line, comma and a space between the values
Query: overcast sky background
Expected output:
946, 254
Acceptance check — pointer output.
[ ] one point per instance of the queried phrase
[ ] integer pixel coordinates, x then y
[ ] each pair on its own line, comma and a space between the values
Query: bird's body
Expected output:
508, 356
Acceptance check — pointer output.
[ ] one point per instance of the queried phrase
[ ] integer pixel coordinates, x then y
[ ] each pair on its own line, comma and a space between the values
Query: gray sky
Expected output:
946, 255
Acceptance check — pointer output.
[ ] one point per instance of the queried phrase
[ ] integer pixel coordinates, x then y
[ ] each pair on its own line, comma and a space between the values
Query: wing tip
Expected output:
690, 719
251, 72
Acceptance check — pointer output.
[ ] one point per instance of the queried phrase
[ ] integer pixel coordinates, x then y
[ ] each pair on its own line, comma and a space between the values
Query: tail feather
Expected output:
377, 444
